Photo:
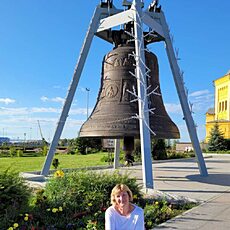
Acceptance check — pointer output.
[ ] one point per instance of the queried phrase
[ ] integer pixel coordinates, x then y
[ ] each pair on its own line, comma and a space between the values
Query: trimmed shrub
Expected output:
12, 151
78, 189
179, 155
55, 163
19, 153
14, 196
83, 196
45, 150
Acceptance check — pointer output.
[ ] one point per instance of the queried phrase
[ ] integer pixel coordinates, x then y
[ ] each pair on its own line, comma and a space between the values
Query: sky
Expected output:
40, 42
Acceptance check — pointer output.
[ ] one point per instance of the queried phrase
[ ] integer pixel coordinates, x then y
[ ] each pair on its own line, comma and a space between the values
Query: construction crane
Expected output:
44, 142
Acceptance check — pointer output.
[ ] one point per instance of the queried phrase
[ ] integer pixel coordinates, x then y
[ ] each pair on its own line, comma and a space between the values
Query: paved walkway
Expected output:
181, 178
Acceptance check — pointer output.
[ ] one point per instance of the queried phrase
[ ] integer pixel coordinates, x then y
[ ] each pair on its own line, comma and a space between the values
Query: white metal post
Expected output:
72, 88
116, 153
142, 99
178, 79
87, 103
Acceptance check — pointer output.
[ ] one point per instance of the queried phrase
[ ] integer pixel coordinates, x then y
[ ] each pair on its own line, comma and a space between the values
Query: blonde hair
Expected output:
120, 188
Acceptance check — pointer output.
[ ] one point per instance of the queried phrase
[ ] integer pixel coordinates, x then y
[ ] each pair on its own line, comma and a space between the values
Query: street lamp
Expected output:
30, 133
87, 106
24, 141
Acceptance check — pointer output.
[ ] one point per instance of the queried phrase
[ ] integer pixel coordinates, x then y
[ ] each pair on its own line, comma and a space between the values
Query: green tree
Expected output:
82, 144
216, 141
168, 144
85, 145
159, 149
174, 144
95, 143
12, 151
63, 142
44, 150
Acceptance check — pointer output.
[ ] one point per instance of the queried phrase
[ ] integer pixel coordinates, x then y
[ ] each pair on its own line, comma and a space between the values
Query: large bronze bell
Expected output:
114, 115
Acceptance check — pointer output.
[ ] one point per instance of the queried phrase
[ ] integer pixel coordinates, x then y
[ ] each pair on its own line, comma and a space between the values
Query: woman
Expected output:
123, 215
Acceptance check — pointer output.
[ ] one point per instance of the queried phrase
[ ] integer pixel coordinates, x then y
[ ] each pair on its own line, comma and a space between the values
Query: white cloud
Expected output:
44, 110
199, 93
207, 97
19, 121
13, 111
57, 87
201, 100
70, 123
44, 99
7, 100
55, 99
173, 108
26, 111
58, 99
79, 111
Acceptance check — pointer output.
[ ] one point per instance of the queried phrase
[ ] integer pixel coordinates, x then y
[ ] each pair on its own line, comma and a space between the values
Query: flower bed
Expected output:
76, 200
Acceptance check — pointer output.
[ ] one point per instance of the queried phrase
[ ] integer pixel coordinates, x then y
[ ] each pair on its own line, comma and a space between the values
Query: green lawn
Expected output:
27, 164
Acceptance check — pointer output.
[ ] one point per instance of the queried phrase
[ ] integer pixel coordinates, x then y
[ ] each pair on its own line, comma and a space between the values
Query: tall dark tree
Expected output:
159, 149
216, 141
82, 144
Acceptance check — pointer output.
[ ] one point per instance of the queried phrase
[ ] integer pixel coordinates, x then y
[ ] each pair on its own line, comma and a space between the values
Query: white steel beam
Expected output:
72, 88
115, 20
153, 24
183, 97
142, 99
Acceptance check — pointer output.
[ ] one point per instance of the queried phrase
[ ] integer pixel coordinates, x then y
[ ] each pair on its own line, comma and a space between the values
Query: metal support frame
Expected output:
71, 91
183, 97
116, 153
94, 24
142, 100
105, 18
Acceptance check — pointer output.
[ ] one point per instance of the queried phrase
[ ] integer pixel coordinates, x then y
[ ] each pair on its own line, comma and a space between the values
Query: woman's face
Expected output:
122, 198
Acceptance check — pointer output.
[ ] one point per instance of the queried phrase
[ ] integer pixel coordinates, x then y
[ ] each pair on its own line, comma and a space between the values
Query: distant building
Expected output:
4, 140
187, 146
220, 114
